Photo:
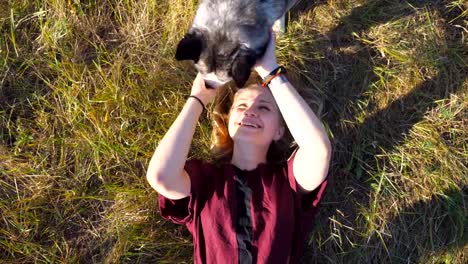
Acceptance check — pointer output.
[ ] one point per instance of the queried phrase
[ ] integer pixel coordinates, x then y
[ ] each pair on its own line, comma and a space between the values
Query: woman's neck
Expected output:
247, 156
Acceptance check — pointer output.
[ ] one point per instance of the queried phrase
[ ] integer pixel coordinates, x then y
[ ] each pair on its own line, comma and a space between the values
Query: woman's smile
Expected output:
250, 123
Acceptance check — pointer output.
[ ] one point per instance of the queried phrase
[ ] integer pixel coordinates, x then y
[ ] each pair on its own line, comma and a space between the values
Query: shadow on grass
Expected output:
357, 146
439, 226
19, 81
17, 93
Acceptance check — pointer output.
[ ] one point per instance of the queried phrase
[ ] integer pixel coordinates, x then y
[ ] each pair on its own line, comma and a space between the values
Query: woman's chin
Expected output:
250, 139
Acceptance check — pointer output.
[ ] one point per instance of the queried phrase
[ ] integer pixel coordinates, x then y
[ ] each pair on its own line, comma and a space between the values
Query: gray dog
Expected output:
228, 36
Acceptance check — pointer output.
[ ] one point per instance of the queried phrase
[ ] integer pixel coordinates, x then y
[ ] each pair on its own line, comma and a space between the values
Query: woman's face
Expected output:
255, 118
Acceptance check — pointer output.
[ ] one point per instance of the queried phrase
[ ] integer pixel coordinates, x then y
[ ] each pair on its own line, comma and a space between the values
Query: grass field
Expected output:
88, 88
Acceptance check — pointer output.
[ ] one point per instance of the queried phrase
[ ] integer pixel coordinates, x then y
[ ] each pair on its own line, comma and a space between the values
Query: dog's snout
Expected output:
222, 75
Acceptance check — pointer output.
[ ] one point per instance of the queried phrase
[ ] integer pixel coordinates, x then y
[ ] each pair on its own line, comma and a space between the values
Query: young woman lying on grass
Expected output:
251, 208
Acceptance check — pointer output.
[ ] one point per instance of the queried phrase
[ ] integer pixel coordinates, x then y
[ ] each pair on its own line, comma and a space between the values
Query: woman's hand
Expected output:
268, 62
199, 90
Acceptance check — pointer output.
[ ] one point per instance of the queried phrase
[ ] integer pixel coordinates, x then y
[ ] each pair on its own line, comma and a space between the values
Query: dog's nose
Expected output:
223, 76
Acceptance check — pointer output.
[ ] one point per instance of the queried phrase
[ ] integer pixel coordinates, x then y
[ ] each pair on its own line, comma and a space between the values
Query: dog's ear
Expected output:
190, 47
242, 66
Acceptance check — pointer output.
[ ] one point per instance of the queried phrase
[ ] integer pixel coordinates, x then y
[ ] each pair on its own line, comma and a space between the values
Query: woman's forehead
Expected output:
254, 94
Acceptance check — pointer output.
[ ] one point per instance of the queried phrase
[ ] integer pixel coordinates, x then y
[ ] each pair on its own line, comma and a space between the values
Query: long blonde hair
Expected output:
221, 142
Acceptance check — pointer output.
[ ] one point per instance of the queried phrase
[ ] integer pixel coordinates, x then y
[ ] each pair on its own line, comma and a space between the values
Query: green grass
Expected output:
88, 88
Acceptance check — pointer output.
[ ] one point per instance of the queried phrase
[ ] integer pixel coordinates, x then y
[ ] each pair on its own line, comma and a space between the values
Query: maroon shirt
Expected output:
244, 216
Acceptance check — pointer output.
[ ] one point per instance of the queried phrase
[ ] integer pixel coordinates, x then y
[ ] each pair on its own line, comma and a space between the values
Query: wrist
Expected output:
263, 71
205, 100
199, 100
277, 81
275, 75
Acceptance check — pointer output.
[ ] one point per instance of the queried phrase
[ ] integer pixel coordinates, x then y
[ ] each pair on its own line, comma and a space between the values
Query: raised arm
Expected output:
312, 159
166, 172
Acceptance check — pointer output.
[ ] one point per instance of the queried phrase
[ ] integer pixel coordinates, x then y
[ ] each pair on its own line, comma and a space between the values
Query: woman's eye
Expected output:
241, 106
264, 108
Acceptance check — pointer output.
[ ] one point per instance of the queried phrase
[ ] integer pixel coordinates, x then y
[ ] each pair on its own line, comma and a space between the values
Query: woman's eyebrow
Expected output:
265, 101
239, 100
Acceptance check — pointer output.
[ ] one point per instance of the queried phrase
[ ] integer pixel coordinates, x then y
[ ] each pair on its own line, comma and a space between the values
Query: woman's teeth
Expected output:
249, 125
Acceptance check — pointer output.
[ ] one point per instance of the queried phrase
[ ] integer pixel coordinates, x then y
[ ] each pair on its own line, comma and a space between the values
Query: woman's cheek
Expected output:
231, 126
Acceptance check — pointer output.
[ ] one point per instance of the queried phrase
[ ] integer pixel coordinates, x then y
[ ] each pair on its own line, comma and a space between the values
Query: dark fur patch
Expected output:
241, 67
190, 47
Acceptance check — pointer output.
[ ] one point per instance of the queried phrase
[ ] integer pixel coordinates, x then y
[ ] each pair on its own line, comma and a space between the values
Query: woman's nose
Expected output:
250, 112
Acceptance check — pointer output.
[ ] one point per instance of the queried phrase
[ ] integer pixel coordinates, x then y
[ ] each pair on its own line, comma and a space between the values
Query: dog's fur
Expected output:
228, 36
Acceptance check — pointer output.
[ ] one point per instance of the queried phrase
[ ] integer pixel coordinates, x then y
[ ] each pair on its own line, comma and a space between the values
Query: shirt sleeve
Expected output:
307, 203
181, 211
